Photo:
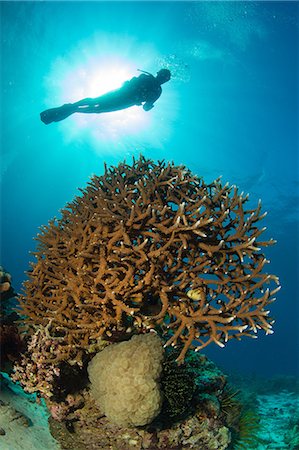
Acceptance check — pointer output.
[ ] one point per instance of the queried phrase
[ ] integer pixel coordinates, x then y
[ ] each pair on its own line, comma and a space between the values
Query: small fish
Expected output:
197, 294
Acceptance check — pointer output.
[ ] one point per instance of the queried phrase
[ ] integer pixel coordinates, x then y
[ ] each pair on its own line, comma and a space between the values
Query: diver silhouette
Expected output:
142, 90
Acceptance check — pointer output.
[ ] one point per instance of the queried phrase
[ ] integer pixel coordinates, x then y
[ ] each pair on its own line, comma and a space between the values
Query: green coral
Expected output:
230, 404
208, 377
189, 387
241, 416
245, 435
178, 387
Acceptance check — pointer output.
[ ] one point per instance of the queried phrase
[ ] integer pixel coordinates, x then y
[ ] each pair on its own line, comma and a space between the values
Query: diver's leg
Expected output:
57, 114
86, 105
87, 109
112, 101
86, 102
105, 103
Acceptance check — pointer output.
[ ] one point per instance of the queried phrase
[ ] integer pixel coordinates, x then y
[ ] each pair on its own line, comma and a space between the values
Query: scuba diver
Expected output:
143, 90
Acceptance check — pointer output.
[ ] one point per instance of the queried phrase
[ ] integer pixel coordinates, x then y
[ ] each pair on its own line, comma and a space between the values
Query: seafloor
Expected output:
24, 425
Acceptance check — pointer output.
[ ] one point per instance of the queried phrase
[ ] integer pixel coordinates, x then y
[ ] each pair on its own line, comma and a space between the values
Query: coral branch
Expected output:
144, 246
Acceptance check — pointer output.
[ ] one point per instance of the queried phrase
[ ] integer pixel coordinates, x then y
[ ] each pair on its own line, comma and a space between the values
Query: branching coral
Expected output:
150, 246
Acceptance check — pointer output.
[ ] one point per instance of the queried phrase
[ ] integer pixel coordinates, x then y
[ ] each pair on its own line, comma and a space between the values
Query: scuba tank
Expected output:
144, 71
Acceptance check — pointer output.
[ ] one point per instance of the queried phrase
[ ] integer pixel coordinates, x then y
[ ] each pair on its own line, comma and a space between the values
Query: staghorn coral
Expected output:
150, 246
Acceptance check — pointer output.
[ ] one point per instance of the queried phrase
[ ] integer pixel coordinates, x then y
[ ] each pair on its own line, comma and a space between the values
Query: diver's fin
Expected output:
57, 114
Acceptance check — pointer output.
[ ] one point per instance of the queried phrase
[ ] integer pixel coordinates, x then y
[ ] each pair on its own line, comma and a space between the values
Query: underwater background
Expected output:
230, 110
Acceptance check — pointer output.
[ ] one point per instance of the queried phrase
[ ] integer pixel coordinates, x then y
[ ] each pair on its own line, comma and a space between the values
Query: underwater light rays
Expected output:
101, 64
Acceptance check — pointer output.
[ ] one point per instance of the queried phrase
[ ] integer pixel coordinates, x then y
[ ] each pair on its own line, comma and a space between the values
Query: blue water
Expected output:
231, 109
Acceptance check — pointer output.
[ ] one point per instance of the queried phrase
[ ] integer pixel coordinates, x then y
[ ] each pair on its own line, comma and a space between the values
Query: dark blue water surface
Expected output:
231, 109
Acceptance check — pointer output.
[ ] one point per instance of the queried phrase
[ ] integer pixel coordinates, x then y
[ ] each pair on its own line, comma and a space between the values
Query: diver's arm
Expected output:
86, 102
149, 104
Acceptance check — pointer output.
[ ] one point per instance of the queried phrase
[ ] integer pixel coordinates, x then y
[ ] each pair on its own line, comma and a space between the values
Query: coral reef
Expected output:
261, 412
239, 409
11, 343
145, 247
149, 246
5, 281
194, 433
245, 430
291, 436
78, 423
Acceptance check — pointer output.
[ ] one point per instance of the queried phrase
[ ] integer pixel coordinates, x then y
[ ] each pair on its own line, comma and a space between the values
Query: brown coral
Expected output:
5, 283
128, 252
11, 344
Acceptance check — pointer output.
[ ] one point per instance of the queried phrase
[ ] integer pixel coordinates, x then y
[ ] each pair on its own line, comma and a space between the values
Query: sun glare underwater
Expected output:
230, 110
196, 249
99, 65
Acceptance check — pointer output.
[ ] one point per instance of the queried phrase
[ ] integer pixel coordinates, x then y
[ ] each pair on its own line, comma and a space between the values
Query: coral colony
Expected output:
146, 248
10, 340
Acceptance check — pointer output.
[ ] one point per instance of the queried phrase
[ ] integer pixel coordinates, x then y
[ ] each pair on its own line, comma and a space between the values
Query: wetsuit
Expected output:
144, 89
